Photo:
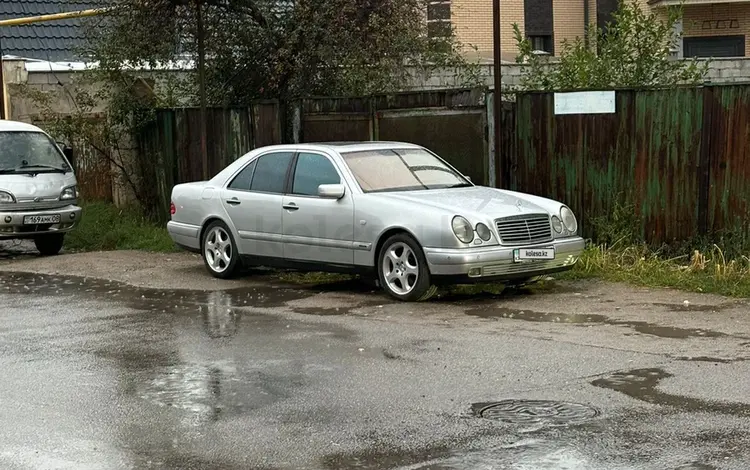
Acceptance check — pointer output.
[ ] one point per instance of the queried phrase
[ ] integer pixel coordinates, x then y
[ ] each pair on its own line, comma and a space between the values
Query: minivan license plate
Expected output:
524, 254
41, 219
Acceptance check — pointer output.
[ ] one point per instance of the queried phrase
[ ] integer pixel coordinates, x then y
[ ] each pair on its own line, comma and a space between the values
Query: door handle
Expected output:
291, 206
234, 201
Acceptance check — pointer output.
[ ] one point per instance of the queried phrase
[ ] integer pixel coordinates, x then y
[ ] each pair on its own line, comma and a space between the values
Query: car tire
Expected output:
219, 251
49, 245
402, 270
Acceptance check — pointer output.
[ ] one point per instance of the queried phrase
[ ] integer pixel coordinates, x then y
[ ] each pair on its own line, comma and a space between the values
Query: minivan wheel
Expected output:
49, 245
220, 251
402, 269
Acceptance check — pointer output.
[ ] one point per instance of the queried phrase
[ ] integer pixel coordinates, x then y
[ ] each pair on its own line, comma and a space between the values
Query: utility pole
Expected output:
2, 80
497, 99
202, 86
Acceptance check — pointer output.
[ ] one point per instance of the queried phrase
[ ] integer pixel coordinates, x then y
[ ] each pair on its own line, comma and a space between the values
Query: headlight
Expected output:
568, 219
6, 198
69, 193
462, 229
484, 232
557, 224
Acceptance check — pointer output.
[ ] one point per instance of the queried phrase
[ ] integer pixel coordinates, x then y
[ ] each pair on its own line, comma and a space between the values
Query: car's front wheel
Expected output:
220, 251
49, 245
402, 269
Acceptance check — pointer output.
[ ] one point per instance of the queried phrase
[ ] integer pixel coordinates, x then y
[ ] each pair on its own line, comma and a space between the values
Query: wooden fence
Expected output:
451, 123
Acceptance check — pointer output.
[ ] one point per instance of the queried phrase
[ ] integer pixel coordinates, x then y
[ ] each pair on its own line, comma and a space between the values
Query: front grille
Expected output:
524, 229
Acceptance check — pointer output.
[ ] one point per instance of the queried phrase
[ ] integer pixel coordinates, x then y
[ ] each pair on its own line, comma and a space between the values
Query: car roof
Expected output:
344, 146
16, 126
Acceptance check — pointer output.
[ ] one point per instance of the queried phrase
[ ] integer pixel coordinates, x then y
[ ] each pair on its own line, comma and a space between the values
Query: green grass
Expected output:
105, 227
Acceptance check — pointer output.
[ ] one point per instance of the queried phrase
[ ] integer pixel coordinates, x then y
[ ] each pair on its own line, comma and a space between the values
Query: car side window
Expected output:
270, 172
313, 170
243, 179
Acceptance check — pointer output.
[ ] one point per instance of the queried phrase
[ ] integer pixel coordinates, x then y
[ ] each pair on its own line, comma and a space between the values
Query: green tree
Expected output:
634, 50
261, 49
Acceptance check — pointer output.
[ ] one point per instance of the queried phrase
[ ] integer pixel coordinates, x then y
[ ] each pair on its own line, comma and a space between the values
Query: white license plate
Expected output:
530, 254
41, 219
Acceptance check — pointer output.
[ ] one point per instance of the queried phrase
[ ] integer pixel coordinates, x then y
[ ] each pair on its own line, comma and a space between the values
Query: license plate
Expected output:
531, 254
41, 219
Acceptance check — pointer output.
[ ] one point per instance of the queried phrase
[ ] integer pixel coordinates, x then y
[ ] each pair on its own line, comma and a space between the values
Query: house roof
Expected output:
56, 41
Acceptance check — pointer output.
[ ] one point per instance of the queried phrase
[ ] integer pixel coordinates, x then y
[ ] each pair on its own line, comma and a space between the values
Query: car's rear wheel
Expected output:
49, 245
220, 251
402, 269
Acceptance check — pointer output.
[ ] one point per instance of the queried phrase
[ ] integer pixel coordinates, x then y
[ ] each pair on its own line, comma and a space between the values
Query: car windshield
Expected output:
29, 151
401, 170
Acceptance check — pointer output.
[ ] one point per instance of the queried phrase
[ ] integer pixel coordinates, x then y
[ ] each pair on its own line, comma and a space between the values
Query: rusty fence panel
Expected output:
679, 156
725, 167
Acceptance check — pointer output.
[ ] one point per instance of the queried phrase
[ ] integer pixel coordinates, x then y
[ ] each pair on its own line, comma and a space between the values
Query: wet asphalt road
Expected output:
99, 375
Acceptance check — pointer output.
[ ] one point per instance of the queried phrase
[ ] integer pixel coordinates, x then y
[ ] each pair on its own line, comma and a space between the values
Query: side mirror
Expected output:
331, 191
468, 178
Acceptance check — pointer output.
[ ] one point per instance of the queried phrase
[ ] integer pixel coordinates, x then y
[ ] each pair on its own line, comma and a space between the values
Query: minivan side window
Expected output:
313, 170
270, 172
242, 181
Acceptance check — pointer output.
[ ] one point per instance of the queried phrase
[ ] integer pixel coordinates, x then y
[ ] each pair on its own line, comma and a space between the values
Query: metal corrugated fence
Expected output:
680, 156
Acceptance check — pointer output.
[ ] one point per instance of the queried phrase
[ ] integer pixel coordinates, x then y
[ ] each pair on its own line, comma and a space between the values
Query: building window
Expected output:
542, 43
714, 46
439, 19
539, 24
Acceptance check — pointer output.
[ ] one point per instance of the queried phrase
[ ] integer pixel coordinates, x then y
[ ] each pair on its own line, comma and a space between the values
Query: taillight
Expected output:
172, 208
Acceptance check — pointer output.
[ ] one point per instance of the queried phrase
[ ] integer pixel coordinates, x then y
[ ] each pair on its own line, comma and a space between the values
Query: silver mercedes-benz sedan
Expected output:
394, 211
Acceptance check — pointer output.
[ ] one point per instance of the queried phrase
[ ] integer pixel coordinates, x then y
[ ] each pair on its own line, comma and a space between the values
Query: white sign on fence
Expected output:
585, 102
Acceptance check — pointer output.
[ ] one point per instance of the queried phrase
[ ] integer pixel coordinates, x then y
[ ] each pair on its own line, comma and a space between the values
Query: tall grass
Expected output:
107, 227
617, 253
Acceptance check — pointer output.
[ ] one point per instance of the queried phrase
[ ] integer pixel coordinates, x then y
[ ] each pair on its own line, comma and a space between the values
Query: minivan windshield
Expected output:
27, 152
401, 170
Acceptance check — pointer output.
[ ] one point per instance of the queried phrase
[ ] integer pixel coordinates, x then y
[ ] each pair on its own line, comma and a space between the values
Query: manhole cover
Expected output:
537, 411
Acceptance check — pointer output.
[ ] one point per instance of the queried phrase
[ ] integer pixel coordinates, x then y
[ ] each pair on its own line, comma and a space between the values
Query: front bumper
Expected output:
12, 224
497, 263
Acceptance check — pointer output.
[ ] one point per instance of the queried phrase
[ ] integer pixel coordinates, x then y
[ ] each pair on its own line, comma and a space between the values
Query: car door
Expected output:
317, 229
253, 201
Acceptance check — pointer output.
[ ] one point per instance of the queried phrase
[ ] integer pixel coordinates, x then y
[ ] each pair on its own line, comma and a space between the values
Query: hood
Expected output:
478, 202
26, 188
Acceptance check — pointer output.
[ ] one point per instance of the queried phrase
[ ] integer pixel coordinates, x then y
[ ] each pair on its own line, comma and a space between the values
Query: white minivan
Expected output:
38, 188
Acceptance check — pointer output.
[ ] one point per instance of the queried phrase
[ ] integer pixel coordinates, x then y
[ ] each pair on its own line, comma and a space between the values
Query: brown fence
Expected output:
680, 156
452, 123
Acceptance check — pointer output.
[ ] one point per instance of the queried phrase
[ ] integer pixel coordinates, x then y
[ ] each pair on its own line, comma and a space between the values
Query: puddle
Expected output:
715, 360
642, 385
695, 307
643, 327
193, 389
254, 296
322, 312
528, 315
218, 313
